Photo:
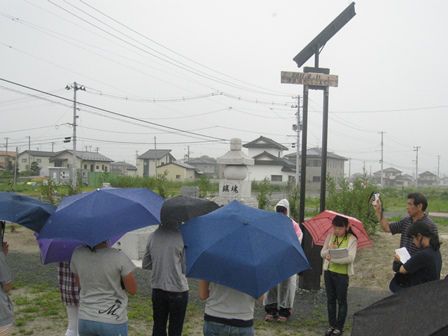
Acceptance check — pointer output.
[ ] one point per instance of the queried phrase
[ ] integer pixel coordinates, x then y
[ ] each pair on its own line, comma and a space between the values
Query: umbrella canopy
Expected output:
99, 215
320, 226
416, 311
24, 210
179, 209
58, 250
244, 248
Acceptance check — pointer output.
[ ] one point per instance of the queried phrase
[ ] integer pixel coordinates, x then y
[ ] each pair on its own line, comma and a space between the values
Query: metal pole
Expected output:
298, 143
6, 145
15, 167
75, 88
323, 167
416, 148
303, 159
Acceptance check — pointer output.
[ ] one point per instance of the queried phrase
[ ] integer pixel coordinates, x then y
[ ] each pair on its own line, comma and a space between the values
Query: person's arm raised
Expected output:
379, 214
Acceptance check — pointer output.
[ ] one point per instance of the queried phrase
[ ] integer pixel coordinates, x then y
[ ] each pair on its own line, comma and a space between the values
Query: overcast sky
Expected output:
213, 68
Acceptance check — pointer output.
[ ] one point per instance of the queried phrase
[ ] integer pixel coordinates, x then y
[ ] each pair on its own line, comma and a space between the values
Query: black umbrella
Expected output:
416, 311
179, 209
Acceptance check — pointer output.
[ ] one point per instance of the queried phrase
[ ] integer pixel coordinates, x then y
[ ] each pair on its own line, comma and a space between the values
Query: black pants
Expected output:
336, 286
168, 305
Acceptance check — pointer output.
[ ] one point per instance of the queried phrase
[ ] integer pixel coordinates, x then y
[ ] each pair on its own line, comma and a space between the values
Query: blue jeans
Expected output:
219, 329
94, 328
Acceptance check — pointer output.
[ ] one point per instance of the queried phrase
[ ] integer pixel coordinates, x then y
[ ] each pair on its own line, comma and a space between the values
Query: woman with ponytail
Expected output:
425, 265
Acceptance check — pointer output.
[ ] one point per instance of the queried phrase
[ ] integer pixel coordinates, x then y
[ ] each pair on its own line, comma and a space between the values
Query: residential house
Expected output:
268, 161
393, 177
404, 180
177, 171
148, 162
428, 179
7, 160
263, 144
205, 164
42, 158
86, 161
123, 168
335, 165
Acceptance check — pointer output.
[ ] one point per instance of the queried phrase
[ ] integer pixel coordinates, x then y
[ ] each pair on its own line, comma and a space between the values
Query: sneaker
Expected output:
329, 332
336, 332
282, 319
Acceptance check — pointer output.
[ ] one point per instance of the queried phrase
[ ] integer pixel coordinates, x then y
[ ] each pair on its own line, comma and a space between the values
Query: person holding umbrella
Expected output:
105, 276
280, 299
165, 257
6, 308
227, 310
423, 266
337, 270
69, 290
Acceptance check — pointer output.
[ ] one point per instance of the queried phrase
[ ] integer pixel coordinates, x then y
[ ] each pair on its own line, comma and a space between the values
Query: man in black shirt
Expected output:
416, 207
426, 263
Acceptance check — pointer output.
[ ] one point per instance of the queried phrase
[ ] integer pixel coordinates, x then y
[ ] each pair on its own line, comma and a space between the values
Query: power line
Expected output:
153, 52
114, 113
173, 51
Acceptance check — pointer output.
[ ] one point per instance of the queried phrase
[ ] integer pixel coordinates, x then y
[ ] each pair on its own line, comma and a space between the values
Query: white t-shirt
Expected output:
228, 303
102, 297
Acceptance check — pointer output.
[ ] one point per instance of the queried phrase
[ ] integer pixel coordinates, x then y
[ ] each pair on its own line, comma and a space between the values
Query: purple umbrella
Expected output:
58, 250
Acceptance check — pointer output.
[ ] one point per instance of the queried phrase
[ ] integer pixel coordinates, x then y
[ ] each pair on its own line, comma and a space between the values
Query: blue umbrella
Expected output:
244, 248
100, 215
24, 210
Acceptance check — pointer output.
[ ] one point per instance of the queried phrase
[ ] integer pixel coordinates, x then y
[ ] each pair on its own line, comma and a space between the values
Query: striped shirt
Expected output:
402, 227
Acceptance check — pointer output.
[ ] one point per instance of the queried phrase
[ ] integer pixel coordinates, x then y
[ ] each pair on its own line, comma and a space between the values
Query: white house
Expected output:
268, 161
148, 162
87, 161
42, 158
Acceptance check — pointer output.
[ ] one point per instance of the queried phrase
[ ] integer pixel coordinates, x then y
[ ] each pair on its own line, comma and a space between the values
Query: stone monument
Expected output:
235, 185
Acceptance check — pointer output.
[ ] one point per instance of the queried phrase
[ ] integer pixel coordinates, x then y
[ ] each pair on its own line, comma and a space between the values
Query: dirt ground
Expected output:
40, 313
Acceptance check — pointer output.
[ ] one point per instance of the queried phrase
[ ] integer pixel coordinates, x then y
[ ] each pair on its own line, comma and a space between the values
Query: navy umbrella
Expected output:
24, 210
100, 215
243, 248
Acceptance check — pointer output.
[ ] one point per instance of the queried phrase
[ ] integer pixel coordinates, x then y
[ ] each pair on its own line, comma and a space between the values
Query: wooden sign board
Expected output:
309, 78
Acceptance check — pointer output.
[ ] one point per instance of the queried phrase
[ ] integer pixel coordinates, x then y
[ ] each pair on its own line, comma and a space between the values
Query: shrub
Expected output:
353, 200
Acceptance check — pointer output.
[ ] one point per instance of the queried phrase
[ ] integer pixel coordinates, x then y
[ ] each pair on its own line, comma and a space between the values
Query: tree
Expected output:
35, 169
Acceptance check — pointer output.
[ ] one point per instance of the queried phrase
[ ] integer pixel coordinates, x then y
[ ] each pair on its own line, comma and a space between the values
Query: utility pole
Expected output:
6, 138
438, 166
382, 159
155, 142
52, 147
75, 86
349, 168
15, 167
416, 149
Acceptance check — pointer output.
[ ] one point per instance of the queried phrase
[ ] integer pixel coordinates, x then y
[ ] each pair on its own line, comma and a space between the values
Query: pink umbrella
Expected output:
320, 226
